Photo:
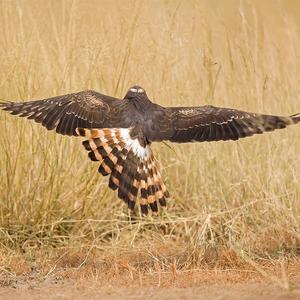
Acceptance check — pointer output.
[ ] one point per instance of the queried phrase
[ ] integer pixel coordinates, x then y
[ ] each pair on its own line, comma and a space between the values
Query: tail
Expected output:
133, 170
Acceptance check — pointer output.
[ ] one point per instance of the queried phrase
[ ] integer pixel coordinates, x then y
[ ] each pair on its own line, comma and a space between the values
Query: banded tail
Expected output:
133, 170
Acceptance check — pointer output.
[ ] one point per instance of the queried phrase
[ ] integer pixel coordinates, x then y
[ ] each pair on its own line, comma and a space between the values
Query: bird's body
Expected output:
119, 134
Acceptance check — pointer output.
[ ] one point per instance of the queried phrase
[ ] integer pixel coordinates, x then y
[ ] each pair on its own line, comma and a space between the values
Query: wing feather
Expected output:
209, 123
86, 109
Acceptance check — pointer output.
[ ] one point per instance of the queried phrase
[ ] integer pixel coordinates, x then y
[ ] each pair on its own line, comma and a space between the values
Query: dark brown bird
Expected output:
119, 134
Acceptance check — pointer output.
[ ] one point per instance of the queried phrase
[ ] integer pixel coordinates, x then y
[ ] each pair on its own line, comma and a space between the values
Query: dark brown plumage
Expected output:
119, 134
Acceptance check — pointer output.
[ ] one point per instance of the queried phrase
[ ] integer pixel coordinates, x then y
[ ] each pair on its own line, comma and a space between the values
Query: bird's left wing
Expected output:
209, 123
86, 109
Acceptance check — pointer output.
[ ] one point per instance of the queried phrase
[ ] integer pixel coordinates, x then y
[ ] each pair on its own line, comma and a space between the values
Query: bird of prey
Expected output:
119, 133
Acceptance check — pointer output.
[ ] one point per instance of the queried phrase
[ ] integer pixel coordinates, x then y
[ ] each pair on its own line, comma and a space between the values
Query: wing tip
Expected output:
5, 104
295, 117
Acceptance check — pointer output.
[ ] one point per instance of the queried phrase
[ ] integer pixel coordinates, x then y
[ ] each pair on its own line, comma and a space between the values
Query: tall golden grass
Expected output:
230, 200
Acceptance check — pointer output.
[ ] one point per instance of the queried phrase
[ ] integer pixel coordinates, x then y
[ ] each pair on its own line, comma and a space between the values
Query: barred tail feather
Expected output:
126, 175
144, 196
132, 167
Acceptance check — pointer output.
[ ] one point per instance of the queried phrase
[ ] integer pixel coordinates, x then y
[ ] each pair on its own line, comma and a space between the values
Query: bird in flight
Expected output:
119, 132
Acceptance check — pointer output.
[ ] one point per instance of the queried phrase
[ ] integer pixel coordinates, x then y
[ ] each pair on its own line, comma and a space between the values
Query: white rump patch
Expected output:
141, 152
134, 145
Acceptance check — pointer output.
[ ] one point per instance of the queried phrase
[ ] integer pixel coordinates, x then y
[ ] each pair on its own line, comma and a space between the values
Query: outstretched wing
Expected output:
86, 109
209, 123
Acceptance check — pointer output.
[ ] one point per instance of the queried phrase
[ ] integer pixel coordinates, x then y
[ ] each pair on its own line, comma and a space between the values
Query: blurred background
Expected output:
231, 201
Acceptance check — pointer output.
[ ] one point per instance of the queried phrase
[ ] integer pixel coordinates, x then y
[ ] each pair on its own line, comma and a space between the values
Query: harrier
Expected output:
119, 134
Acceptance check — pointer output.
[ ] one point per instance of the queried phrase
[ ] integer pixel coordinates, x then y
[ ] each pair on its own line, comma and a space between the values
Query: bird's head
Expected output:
135, 92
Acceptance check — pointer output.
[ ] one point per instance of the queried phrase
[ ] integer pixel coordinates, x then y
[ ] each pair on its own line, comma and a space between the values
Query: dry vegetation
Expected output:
234, 204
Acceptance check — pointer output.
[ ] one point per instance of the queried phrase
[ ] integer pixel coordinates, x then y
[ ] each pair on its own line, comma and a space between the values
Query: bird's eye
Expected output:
137, 90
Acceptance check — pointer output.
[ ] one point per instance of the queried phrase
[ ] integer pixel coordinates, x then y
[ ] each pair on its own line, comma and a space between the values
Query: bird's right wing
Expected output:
86, 109
209, 123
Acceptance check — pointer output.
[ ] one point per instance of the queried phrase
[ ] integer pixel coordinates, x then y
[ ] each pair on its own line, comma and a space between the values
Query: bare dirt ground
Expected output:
125, 282
88, 290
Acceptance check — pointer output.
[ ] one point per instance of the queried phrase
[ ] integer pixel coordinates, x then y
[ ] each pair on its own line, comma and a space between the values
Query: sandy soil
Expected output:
72, 291
120, 278
85, 289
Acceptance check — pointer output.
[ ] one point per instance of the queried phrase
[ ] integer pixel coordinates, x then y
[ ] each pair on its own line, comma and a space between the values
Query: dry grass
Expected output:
233, 203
